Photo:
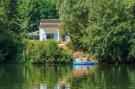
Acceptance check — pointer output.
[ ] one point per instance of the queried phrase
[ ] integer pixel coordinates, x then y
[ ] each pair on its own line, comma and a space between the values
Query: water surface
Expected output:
67, 77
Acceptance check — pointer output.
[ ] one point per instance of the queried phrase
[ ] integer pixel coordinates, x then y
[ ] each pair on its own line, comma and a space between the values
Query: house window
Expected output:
49, 36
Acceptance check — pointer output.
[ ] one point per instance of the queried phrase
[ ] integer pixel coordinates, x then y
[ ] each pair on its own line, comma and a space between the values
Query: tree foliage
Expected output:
8, 46
74, 15
105, 28
17, 17
32, 11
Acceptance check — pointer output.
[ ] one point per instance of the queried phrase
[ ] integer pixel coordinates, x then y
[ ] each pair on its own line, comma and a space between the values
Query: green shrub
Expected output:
51, 52
8, 46
30, 51
43, 52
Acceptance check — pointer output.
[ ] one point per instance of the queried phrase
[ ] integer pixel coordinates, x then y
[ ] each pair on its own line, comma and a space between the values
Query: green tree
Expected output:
104, 28
132, 39
32, 11
8, 44
12, 15
110, 30
74, 15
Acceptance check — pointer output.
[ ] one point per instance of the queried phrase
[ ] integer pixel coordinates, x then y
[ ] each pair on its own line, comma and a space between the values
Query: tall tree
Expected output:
7, 40
110, 29
74, 15
32, 11
12, 15
105, 28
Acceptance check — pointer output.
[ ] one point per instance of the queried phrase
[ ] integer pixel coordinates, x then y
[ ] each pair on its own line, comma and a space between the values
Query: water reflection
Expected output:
67, 77
43, 86
62, 86
82, 70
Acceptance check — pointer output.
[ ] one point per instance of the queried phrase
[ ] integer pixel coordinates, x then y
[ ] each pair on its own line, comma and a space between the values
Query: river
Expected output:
67, 77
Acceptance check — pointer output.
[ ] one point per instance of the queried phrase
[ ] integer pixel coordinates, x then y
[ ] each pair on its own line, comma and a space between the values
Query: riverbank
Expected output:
39, 52
52, 52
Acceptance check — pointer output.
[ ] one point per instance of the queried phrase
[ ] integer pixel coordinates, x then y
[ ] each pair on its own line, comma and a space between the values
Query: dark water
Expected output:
67, 77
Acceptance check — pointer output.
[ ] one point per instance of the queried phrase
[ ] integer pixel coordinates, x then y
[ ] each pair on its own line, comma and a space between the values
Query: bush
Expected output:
43, 52
8, 46
132, 48
30, 51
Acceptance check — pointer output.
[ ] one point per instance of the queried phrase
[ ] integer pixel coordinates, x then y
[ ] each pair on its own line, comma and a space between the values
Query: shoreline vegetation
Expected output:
38, 52
102, 31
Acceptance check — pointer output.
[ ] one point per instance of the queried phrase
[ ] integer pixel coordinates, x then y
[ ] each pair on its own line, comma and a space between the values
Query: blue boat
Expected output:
82, 66
83, 63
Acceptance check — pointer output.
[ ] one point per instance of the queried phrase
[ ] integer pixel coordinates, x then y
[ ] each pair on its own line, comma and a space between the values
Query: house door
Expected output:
49, 36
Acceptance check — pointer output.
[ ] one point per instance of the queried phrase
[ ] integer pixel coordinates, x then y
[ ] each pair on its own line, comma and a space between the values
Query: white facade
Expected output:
49, 33
49, 29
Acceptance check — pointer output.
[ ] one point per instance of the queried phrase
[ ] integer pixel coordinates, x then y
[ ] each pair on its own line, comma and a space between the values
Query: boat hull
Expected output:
83, 63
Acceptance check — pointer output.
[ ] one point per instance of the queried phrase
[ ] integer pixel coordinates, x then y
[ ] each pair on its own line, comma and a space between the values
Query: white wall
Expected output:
42, 34
51, 30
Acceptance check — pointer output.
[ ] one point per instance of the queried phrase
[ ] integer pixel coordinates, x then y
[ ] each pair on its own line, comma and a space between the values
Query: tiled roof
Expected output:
49, 23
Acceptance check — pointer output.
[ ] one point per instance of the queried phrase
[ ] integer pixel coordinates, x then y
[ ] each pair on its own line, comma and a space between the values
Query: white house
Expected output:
49, 29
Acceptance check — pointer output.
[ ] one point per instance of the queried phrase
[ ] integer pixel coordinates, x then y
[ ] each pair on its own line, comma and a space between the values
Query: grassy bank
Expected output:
33, 51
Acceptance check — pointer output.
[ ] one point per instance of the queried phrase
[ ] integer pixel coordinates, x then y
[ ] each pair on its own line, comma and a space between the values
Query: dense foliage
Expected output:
105, 28
43, 52
32, 11
74, 15
17, 18
25, 15
8, 46
110, 30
